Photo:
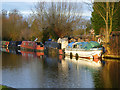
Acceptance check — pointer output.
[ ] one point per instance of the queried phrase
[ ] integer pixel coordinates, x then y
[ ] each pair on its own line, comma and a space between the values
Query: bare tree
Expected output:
12, 25
57, 18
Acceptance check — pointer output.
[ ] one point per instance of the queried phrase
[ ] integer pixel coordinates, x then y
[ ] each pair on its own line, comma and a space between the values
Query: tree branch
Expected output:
97, 10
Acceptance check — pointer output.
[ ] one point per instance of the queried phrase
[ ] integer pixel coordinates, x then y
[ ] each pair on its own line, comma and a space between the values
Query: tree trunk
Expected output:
107, 29
111, 17
110, 26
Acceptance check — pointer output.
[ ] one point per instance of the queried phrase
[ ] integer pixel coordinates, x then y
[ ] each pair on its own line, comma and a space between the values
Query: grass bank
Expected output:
3, 87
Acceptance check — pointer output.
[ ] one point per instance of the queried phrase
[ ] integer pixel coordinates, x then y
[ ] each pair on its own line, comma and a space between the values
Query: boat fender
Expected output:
60, 51
95, 56
70, 55
76, 56
95, 60
104, 50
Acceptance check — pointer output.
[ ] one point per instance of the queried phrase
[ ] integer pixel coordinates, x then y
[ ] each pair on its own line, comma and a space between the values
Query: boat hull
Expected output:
84, 53
39, 48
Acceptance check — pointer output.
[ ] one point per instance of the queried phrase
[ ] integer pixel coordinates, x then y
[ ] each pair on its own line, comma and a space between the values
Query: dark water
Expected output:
37, 70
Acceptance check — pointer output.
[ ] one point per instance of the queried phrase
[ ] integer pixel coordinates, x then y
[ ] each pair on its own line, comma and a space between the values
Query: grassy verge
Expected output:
2, 87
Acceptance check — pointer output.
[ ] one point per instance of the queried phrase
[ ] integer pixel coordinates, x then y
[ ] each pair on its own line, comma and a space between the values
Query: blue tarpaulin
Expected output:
70, 44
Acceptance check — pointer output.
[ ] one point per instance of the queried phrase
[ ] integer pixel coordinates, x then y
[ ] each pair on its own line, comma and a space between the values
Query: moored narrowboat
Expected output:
28, 45
32, 46
52, 47
5, 44
14, 44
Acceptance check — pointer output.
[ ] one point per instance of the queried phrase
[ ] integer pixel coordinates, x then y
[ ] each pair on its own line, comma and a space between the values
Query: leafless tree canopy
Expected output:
58, 18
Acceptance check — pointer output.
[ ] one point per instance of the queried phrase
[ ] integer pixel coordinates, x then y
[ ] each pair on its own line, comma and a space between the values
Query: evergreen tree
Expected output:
105, 14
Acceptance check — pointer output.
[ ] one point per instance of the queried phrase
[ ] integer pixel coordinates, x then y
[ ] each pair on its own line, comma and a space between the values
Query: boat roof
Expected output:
87, 45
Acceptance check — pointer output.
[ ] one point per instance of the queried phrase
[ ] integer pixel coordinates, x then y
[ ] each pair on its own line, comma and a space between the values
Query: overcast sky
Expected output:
47, 0
26, 6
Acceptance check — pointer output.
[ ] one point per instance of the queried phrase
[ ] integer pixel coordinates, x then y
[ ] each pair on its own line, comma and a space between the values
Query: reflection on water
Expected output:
23, 69
111, 74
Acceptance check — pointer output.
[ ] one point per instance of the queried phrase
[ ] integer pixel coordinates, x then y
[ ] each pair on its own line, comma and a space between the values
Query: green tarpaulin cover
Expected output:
88, 45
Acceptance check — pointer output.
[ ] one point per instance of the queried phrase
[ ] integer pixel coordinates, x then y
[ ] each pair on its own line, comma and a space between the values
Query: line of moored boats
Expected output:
24, 45
89, 50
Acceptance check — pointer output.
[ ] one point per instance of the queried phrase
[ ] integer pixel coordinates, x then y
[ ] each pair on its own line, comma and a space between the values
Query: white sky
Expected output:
25, 7
47, 0
59, 0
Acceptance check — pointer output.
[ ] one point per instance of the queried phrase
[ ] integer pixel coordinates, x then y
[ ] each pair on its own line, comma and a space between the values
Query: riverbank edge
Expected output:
2, 87
111, 57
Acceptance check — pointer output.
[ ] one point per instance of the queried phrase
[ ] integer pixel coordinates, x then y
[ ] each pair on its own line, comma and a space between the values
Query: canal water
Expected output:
23, 69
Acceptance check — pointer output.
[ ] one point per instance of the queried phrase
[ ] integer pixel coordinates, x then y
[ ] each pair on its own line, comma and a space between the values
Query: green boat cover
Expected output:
88, 45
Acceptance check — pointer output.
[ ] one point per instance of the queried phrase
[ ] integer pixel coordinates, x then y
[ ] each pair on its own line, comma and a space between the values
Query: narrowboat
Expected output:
53, 47
5, 44
51, 44
14, 44
88, 50
32, 46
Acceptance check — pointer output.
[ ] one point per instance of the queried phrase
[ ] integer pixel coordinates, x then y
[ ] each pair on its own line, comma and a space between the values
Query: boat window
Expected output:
24, 43
30, 44
74, 46
39, 43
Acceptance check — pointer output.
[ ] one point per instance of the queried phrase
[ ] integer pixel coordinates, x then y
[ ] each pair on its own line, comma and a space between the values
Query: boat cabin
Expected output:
32, 45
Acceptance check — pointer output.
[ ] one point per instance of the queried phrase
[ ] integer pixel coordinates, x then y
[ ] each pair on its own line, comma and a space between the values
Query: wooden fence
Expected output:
115, 45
